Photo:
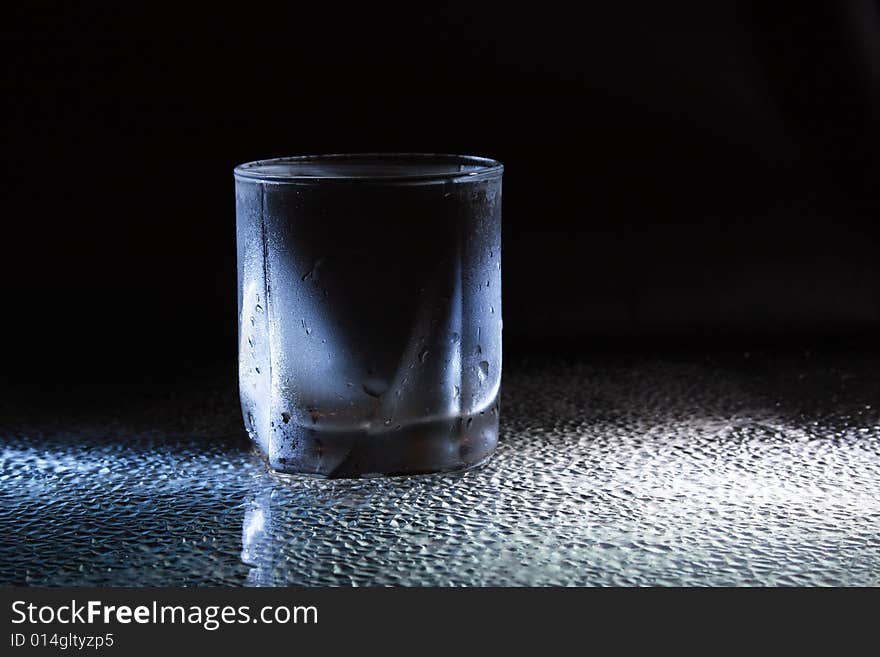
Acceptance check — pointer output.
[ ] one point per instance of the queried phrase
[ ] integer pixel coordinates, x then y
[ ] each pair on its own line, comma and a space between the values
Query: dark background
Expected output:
676, 174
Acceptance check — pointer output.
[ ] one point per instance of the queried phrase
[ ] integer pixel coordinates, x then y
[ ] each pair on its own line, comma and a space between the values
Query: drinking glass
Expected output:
369, 299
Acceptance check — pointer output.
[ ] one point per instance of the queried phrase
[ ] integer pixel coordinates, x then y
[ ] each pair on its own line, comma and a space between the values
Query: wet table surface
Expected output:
723, 469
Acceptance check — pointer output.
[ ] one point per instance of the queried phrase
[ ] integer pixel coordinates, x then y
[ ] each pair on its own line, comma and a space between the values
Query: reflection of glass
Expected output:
256, 545
392, 531
370, 311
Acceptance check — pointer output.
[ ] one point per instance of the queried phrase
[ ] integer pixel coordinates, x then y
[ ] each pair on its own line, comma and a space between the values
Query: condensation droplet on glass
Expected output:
375, 387
285, 417
258, 308
423, 354
313, 271
483, 370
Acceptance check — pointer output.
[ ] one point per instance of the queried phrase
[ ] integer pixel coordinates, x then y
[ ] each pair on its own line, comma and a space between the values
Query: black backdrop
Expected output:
700, 173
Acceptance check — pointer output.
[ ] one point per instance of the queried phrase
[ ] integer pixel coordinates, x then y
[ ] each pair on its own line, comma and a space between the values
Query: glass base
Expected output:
427, 447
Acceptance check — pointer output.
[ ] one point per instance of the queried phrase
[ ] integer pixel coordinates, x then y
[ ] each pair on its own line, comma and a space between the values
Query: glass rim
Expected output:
481, 168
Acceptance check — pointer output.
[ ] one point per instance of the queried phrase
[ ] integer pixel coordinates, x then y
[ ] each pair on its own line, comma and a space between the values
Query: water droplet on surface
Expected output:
313, 272
257, 370
492, 309
375, 387
483, 370
251, 342
456, 337
487, 283
423, 354
285, 417
253, 321
456, 392
258, 308
478, 351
